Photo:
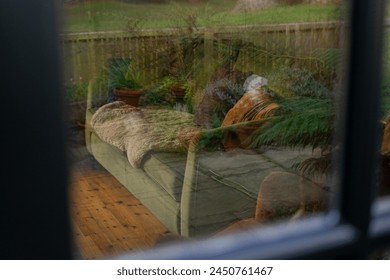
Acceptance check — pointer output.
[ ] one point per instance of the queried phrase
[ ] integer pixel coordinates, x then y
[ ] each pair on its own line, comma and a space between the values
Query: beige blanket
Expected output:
139, 131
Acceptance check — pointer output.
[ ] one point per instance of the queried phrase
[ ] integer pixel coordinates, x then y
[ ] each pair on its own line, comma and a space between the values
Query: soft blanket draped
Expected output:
138, 131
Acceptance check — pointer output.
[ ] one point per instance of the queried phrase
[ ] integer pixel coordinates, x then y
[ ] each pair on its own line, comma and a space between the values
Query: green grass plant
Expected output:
75, 90
115, 15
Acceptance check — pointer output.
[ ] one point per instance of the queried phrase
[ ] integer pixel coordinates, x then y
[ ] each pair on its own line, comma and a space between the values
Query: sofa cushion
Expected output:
167, 170
222, 186
239, 169
246, 169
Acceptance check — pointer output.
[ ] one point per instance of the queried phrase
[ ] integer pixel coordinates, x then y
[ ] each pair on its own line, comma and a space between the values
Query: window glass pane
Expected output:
228, 124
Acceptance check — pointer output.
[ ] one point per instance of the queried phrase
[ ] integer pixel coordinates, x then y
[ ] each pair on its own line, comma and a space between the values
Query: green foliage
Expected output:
168, 82
289, 2
216, 121
282, 61
314, 166
114, 15
211, 140
188, 98
385, 96
292, 81
329, 61
161, 92
122, 73
157, 94
75, 90
303, 115
303, 121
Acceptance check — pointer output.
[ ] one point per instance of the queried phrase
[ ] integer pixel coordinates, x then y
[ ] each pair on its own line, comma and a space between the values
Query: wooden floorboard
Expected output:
106, 218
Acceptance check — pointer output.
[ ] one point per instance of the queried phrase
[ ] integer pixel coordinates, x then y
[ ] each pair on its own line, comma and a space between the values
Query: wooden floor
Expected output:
106, 218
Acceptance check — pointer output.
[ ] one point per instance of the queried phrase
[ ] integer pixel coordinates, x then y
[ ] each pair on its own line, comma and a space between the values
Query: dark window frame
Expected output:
356, 227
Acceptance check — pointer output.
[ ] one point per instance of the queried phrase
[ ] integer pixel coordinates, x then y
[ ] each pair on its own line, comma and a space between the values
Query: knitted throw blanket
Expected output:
138, 131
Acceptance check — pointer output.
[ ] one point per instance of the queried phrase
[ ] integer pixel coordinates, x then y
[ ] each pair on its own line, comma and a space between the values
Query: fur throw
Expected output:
138, 131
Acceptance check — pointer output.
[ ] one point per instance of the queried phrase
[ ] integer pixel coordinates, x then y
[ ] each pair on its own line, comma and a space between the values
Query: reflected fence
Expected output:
181, 51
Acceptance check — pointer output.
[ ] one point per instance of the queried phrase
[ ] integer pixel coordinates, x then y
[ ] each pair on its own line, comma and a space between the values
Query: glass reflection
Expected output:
193, 118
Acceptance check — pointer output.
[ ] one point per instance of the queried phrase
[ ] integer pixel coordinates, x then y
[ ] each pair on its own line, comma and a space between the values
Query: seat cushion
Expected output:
167, 170
222, 186
239, 169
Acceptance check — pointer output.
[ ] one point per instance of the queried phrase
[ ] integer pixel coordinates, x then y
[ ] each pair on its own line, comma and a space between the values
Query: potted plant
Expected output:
174, 85
155, 95
125, 81
170, 92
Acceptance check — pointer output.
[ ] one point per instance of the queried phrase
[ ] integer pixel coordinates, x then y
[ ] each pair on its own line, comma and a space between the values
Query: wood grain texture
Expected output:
107, 219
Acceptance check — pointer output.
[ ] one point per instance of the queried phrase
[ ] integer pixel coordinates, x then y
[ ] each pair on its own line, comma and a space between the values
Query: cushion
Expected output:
255, 105
284, 194
167, 170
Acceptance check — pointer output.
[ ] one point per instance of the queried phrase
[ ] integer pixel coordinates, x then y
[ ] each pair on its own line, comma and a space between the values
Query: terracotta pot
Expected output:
130, 96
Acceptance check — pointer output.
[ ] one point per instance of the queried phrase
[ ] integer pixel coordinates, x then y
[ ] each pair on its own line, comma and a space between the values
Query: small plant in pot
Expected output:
169, 92
157, 96
176, 86
125, 81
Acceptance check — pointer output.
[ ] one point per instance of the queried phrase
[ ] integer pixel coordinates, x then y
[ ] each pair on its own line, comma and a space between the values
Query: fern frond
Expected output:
298, 122
315, 166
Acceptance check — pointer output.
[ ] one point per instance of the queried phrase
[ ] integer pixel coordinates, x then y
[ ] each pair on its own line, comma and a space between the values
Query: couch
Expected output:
200, 191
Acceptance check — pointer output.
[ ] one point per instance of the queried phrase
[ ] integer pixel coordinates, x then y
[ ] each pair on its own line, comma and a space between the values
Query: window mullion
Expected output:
358, 127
